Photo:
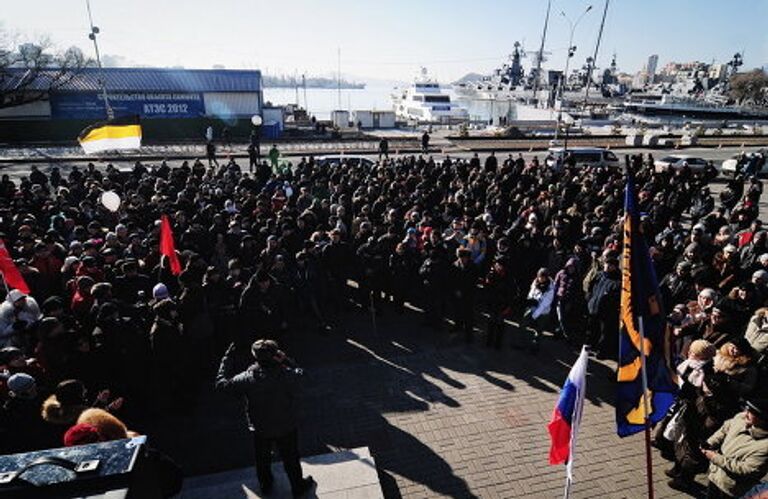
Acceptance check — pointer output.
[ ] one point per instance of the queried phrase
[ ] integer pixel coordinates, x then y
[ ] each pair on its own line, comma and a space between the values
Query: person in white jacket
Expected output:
539, 305
18, 313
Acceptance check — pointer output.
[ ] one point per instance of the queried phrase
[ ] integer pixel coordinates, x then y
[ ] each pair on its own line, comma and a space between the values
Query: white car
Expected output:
730, 164
676, 162
348, 159
589, 156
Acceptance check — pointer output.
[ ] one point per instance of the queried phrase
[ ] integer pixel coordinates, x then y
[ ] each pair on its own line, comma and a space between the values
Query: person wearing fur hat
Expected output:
61, 409
271, 387
107, 425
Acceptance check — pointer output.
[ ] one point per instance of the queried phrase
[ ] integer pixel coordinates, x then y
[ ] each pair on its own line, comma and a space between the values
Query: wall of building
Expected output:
171, 130
228, 104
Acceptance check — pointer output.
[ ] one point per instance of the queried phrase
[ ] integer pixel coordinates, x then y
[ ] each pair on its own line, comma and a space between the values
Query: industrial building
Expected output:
173, 104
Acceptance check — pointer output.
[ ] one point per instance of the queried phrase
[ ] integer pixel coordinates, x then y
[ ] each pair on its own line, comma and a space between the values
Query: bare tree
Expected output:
750, 88
30, 70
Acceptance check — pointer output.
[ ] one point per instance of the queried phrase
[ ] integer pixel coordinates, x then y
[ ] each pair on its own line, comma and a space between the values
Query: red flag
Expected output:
11, 274
167, 247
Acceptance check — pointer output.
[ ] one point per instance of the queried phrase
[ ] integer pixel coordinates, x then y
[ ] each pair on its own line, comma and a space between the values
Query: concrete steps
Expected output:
349, 474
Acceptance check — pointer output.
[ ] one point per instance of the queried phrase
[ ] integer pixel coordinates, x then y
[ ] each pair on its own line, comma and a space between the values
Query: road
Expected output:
17, 170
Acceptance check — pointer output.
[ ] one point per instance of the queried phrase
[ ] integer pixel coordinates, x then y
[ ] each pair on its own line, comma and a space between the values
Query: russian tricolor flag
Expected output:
567, 415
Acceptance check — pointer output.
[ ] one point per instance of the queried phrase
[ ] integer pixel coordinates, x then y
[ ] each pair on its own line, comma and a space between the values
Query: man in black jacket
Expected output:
602, 307
270, 386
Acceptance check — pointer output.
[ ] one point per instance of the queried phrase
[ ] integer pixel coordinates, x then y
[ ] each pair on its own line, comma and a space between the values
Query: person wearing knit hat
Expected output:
24, 429
81, 434
160, 292
22, 386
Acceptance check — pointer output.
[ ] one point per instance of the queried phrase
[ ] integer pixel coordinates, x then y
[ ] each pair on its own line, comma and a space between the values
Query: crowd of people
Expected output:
502, 248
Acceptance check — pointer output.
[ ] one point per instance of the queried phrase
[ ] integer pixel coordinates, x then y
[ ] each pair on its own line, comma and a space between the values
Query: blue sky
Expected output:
391, 39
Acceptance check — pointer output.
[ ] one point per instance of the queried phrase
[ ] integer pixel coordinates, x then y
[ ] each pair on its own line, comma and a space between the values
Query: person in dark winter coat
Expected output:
434, 277
336, 261
271, 387
401, 270
167, 343
22, 428
568, 300
677, 287
500, 295
263, 305
603, 306
463, 281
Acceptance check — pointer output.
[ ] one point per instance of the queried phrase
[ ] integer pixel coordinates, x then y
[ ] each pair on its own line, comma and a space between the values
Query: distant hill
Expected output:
468, 77
312, 82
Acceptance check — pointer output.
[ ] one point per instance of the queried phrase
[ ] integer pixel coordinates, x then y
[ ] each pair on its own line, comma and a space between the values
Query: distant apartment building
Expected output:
651, 65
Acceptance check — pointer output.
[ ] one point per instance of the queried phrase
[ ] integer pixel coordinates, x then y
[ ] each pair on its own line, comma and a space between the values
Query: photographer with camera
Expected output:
271, 386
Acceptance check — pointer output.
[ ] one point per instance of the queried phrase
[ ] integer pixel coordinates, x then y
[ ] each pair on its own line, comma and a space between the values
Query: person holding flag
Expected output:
12, 278
167, 246
566, 418
645, 388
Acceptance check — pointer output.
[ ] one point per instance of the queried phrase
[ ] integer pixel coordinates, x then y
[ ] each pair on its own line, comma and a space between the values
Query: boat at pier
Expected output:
425, 102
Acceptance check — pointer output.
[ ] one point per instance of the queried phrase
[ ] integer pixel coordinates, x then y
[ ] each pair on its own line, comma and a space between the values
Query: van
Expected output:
589, 156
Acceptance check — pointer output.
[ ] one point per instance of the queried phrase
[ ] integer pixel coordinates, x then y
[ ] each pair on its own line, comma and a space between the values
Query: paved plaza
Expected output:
441, 418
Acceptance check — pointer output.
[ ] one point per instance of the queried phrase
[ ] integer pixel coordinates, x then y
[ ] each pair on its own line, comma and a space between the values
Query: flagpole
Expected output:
578, 409
647, 411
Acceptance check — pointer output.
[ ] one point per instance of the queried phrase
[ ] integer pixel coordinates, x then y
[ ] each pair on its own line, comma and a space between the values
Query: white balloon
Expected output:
256, 120
111, 201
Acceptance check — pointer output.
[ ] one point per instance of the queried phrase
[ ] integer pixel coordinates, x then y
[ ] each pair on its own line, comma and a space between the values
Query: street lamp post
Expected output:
571, 51
92, 36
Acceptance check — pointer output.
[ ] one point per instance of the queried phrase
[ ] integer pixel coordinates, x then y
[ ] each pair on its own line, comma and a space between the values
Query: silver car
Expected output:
677, 161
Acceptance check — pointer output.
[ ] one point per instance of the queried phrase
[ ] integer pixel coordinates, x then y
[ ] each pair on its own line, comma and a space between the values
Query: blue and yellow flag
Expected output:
640, 307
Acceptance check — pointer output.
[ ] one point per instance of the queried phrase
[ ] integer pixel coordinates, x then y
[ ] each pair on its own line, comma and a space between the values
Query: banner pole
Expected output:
646, 410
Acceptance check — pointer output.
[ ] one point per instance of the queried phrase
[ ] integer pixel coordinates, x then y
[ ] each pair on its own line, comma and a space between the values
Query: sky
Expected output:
391, 40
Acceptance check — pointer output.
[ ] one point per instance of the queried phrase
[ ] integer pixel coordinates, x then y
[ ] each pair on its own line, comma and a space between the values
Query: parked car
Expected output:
350, 159
590, 156
676, 161
737, 162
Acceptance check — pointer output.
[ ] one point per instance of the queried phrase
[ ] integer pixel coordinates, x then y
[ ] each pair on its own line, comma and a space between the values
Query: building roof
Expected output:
145, 80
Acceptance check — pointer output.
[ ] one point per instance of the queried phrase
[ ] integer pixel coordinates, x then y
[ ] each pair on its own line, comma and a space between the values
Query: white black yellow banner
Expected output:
112, 135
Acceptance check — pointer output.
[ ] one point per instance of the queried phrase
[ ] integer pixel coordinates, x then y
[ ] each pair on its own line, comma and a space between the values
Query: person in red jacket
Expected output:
82, 301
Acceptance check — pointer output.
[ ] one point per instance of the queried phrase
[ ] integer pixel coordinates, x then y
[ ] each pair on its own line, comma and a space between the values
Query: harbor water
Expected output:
320, 102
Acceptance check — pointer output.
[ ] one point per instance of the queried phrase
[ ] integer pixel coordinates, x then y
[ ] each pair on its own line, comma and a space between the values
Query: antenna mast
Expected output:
541, 52
338, 78
594, 57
